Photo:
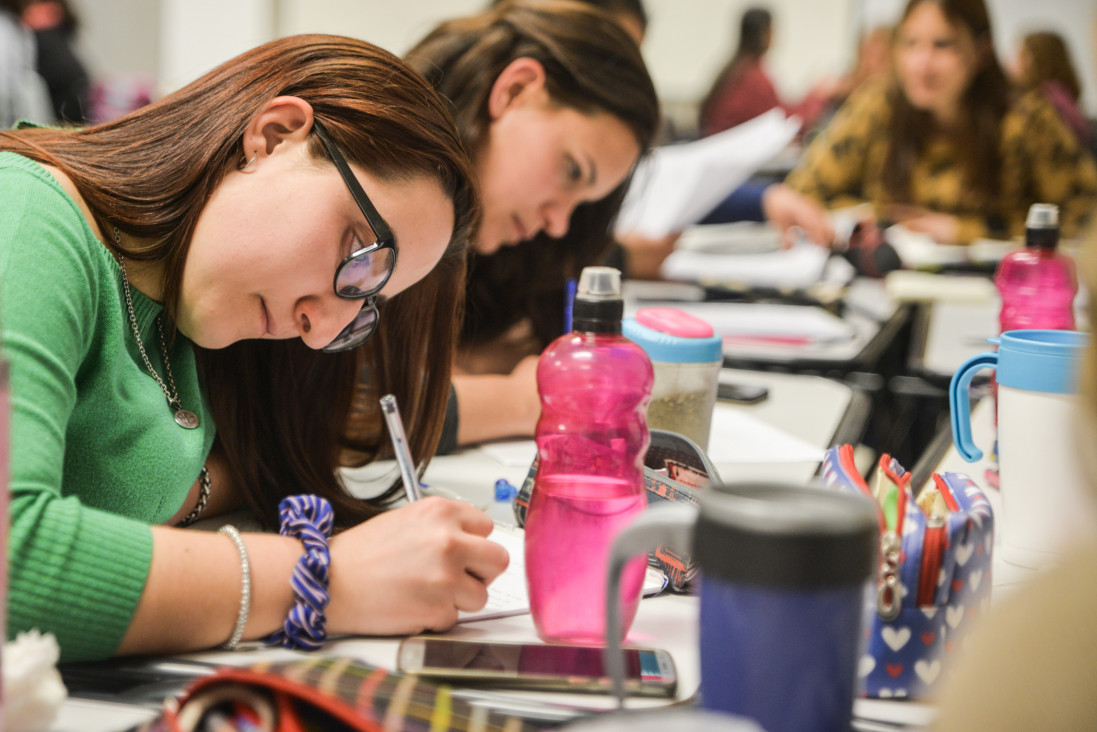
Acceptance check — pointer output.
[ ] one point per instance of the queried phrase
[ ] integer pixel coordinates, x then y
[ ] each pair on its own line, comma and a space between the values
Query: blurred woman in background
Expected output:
1043, 63
948, 147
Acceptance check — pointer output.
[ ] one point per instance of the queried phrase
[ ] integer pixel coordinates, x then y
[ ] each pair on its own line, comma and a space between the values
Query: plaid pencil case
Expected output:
934, 572
675, 468
325, 693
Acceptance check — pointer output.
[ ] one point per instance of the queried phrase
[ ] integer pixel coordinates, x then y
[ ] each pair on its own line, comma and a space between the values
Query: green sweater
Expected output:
96, 456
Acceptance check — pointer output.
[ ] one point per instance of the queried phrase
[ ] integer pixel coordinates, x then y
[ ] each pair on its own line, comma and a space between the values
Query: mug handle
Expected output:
670, 525
959, 402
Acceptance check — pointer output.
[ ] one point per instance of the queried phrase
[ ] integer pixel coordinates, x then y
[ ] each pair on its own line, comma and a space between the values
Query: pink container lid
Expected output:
674, 322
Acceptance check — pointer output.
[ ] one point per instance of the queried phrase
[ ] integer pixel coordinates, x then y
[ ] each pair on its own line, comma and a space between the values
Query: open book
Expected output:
508, 594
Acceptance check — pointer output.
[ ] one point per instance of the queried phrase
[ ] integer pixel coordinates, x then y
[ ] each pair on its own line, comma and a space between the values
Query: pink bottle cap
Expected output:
674, 322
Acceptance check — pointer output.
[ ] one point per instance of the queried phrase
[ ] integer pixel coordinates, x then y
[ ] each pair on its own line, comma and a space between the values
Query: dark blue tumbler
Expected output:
783, 574
783, 579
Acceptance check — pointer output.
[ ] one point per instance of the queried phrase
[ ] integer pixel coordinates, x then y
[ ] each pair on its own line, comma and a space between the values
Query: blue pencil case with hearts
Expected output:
934, 572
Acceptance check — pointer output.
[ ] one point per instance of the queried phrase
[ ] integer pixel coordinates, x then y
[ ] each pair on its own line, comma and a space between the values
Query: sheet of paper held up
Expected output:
509, 595
737, 437
676, 185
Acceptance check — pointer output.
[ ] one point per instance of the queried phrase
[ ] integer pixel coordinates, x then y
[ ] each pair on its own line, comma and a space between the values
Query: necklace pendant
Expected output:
186, 418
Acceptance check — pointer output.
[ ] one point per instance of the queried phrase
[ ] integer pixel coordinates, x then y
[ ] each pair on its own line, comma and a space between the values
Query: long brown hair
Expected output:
1050, 61
281, 409
978, 137
591, 65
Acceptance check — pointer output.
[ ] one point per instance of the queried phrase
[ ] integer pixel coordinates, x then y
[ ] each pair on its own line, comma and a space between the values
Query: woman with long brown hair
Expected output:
1043, 63
179, 268
947, 147
555, 105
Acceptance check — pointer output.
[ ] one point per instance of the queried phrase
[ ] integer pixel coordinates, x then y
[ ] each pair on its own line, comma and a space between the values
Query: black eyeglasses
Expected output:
364, 272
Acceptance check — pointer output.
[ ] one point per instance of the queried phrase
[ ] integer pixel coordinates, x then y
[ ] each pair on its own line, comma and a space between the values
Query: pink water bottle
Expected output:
1038, 283
595, 386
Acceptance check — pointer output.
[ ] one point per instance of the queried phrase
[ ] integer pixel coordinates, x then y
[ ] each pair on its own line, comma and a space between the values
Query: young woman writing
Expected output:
155, 270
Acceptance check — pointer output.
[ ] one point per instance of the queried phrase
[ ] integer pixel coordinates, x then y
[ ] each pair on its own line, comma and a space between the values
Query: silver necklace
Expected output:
183, 417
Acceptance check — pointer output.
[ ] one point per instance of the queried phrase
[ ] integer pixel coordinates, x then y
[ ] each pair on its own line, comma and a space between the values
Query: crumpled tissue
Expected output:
33, 691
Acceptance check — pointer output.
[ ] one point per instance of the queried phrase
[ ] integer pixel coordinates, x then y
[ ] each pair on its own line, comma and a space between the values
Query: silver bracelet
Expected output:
245, 587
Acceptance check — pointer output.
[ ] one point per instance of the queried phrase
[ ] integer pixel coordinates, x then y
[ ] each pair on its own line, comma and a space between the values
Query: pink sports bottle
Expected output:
592, 436
1038, 283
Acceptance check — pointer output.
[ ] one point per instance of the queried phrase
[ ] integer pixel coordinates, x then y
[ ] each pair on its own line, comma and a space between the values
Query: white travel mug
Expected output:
1045, 496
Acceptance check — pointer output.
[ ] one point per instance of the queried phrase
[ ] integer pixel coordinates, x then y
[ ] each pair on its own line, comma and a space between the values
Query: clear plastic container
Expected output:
687, 356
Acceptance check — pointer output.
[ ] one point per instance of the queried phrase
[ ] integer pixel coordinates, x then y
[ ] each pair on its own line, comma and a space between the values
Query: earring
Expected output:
246, 162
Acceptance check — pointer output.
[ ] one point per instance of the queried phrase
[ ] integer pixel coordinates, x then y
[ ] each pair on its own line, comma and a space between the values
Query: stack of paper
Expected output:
794, 268
770, 323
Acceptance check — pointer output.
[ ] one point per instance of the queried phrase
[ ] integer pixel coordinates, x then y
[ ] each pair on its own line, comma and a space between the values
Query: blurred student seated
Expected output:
743, 89
1043, 64
759, 199
55, 25
948, 147
23, 92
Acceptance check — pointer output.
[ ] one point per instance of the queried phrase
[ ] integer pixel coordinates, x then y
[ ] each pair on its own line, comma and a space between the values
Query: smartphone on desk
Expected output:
540, 666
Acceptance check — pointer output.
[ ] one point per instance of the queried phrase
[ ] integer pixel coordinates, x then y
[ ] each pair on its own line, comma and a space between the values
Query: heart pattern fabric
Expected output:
909, 656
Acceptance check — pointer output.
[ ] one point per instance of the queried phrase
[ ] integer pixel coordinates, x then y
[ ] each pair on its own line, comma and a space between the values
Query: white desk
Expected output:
955, 331
952, 331
808, 407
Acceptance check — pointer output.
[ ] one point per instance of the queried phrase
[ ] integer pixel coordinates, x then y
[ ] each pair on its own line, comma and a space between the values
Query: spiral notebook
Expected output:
508, 594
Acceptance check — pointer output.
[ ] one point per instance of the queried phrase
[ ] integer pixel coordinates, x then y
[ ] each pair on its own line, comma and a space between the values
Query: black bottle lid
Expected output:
598, 306
1042, 226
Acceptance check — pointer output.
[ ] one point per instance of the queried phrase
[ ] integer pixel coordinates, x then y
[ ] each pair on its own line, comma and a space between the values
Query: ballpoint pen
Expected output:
570, 288
400, 447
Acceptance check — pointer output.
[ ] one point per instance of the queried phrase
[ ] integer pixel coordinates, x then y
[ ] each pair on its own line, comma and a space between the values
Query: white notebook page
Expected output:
508, 594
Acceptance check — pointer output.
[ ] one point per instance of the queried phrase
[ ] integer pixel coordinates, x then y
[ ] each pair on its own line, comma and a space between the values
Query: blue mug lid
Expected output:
665, 347
1040, 360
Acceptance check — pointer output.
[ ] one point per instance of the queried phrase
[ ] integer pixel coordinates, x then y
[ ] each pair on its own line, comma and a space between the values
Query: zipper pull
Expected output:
888, 596
933, 506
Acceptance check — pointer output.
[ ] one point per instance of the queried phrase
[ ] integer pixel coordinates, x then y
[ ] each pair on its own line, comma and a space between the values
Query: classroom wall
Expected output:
810, 36
688, 39
119, 36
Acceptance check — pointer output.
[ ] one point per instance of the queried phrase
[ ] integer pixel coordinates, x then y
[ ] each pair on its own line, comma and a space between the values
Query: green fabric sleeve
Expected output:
73, 571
